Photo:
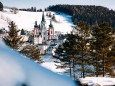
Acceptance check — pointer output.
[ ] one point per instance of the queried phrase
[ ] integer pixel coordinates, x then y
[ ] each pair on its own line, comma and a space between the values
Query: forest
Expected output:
90, 13
88, 51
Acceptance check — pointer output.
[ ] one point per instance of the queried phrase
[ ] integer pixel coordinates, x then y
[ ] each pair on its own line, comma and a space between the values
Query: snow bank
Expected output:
101, 81
16, 70
50, 63
3, 24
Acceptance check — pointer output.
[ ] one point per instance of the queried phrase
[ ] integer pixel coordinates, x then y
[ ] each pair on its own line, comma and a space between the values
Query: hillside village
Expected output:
45, 35
45, 38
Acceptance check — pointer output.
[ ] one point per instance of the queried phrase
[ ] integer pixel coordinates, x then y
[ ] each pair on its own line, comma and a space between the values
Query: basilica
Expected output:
42, 34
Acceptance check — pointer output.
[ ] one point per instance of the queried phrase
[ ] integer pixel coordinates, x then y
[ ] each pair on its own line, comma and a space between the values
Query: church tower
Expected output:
37, 32
43, 29
50, 31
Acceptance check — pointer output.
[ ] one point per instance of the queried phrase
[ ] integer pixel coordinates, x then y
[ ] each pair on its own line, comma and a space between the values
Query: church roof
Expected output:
43, 18
36, 25
22, 32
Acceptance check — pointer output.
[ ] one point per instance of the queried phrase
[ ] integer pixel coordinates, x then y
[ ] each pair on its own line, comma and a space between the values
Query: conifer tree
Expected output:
76, 50
82, 45
111, 61
70, 50
66, 53
102, 42
95, 44
62, 55
32, 52
1, 6
13, 40
59, 52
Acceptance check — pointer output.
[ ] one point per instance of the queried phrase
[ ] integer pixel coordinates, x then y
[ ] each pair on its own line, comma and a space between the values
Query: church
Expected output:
42, 34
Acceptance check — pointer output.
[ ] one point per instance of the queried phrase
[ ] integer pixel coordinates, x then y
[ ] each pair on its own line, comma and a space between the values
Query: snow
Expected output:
16, 70
50, 63
3, 24
26, 20
102, 81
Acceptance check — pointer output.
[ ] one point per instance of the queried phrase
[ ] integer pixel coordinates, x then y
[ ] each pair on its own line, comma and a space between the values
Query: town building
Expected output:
41, 33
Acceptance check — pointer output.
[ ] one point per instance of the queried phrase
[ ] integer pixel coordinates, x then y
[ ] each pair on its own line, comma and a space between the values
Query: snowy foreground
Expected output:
51, 64
16, 70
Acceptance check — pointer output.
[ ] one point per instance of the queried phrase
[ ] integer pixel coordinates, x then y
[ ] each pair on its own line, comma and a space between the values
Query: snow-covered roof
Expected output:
16, 70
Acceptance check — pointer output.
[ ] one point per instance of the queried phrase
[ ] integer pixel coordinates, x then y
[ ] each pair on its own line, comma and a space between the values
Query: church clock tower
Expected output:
50, 31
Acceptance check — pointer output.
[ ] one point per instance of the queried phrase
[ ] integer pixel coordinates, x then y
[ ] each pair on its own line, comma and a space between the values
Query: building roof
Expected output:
36, 25
43, 18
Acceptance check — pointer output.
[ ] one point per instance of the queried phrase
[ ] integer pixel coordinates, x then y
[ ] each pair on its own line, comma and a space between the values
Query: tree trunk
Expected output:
103, 65
73, 68
70, 67
97, 66
83, 73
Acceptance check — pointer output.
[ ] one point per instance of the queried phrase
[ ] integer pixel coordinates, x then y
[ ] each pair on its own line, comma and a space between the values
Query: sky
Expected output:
45, 3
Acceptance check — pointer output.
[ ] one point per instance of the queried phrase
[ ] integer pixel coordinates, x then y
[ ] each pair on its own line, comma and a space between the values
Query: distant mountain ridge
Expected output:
90, 13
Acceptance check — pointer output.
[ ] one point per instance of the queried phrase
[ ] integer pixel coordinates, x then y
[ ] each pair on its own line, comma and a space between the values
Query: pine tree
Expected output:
32, 52
70, 51
59, 52
76, 50
13, 40
111, 61
62, 55
102, 42
82, 45
66, 53
1, 6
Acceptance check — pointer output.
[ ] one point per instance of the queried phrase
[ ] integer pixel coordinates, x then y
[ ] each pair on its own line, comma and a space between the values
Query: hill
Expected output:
16, 70
91, 14
26, 20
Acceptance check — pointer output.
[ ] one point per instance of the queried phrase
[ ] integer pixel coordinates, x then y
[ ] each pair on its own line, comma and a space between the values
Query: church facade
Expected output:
41, 33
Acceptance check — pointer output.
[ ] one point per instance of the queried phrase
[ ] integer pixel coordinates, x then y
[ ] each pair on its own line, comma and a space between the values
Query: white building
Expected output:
41, 33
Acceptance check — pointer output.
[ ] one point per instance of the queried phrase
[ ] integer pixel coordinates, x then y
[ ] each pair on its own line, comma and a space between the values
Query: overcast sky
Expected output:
44, 3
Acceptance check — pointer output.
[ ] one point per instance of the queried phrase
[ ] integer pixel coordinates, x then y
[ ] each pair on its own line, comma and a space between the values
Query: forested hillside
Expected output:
91, 14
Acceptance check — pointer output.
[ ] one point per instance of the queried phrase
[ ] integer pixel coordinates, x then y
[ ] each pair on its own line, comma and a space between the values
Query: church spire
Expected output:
43, 18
